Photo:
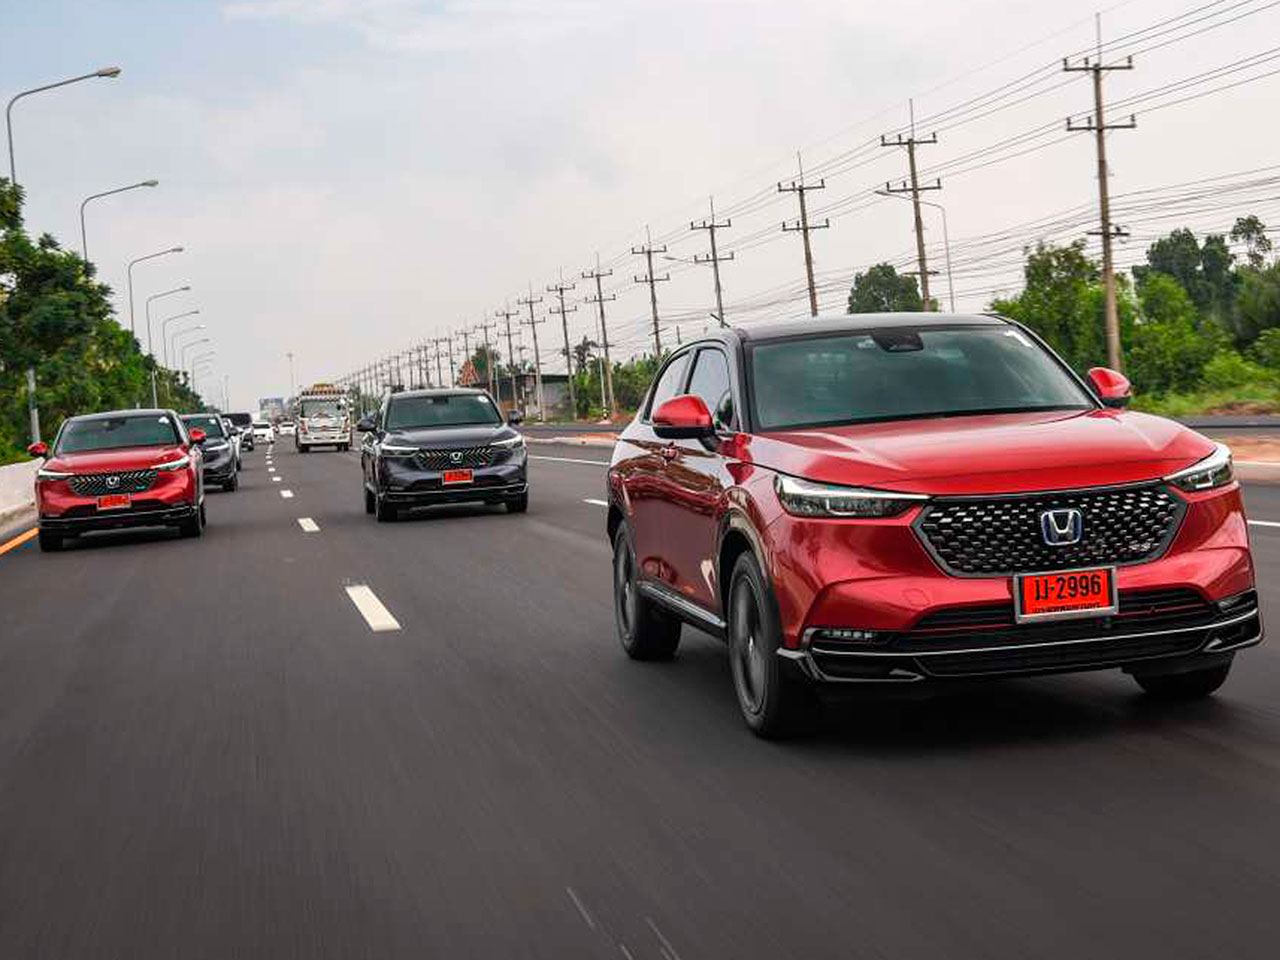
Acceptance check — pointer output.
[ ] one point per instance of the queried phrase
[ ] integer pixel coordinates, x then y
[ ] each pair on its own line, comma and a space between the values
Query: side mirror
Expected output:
683, 418
197, 435
365, 424
515, 417
1113, 389
39, 449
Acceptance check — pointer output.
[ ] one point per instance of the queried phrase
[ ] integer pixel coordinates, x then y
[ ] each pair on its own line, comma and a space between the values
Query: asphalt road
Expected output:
206, 751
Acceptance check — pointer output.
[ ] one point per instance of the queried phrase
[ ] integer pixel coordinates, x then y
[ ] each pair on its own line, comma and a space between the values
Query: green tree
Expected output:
1257, 306
1252, 232
1166, 351
881, 289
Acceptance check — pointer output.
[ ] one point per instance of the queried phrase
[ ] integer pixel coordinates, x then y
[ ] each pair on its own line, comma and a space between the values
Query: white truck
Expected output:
323, 418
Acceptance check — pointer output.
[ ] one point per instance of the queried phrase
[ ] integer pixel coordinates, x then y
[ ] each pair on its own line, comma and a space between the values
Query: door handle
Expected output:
669, 452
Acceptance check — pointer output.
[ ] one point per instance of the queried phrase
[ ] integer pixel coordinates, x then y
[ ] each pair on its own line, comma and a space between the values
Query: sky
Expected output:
353, 177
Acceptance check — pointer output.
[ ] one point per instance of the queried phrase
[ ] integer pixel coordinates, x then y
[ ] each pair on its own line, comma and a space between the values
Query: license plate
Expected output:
457, 476
1061, 596
114, 501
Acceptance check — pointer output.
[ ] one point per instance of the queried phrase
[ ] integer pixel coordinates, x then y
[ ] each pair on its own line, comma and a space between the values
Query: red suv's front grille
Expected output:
999, 536
101, 484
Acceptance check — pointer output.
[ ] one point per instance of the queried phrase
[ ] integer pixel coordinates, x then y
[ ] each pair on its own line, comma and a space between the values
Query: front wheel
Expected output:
385, 512
1184, 686
232, 485
519, 505
647, 632
773, 703
195, 526
50, 542
370, 501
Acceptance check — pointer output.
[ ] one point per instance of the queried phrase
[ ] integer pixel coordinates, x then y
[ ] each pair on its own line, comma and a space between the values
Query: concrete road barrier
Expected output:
16, 488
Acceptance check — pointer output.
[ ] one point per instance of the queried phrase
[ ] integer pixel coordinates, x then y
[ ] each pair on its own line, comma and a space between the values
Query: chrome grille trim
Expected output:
470, 457
95, 484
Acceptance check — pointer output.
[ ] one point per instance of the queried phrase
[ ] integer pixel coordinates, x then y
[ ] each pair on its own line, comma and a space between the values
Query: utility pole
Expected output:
435, 349
599, 299
1107, 230
537, 357
559, 290
647, 251
804, 228
914, 188
714, 259
507, 313
490, 378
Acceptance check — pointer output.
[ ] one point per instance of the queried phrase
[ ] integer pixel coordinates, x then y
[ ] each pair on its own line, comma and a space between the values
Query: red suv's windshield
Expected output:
106, 433
894, 374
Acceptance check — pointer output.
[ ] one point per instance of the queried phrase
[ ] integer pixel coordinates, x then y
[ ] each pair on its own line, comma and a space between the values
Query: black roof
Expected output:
842, 322
113, 414
442, 392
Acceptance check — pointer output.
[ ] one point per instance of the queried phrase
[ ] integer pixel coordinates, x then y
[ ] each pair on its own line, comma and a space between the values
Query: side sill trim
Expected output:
680, 605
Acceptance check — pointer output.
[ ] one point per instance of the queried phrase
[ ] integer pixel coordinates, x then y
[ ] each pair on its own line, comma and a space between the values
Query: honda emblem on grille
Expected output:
113, 482
456, 456
1062, 527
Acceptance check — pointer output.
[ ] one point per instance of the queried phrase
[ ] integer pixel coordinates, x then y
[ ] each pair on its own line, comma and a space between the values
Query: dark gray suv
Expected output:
427, 447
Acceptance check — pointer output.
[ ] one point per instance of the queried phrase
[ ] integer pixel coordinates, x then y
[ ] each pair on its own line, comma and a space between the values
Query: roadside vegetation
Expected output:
55, 317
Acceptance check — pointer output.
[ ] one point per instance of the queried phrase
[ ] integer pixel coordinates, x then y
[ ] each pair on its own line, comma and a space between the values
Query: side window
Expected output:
710, 381
669, 383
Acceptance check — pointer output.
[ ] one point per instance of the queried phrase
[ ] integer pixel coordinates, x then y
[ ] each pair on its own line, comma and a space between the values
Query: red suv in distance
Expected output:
124, 468
899, 500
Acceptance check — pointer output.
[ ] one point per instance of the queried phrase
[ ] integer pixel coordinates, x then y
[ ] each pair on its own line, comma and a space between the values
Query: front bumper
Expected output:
406, 484
1092, 646
139, 516
219, 466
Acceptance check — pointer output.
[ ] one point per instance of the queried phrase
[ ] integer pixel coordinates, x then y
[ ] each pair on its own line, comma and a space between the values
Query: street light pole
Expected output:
155, 398
33, 410
84, 240
177, 335
164, 331
946, 241
293, 387
129, 275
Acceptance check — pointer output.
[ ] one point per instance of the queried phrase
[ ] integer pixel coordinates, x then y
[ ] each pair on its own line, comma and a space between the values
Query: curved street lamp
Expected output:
179, 334
129, 273
84, 241
187, 346
164, 330
147, 310
8, 111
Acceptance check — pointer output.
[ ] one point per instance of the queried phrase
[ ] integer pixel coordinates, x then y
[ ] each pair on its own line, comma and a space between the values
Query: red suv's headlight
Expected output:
1215, 470
807, 499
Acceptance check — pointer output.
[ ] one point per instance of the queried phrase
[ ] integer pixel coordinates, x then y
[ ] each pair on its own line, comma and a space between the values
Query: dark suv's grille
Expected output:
1002, 535
100, 484
453, 459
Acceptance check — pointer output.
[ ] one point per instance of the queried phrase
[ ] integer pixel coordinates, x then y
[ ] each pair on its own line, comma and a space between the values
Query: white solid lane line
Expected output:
307, 524
287, 494
598, 503
375, 614
1264, 523
594, 463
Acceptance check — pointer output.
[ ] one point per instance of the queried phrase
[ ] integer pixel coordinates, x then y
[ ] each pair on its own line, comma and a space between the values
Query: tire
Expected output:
370, 501
646, 631
518, 505
232, 485
384, 511
303, 448
49, 542
773, 703
195, 526
1184, 686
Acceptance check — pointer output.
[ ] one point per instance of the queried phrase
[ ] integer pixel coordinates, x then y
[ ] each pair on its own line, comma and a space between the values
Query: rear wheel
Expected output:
50, 542
1184, 686
647, 632
773, 703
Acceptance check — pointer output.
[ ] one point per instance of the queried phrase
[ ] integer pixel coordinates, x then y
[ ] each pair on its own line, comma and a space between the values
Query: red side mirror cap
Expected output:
197, 435
684, 417
1112, 388
38, 449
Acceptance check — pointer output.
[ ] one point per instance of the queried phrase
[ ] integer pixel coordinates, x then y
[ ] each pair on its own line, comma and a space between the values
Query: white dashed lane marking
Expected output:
598, 503
1264, 523
371, 608
307, 524
287, 494
594, 463
276, 479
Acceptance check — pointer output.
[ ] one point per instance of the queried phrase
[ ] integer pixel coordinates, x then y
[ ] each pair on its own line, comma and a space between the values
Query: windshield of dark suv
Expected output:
448, 410
107, 433
891, 374
211, 425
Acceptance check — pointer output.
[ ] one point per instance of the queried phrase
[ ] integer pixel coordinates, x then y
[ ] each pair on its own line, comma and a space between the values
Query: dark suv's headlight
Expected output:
807, 499
396, 450
1213, 471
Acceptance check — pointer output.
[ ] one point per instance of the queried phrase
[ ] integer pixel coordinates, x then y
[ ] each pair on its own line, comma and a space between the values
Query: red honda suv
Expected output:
895, 501
125, 468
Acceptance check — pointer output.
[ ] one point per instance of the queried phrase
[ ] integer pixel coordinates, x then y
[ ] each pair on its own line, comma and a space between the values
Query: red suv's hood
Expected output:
105, 461
1001, 453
